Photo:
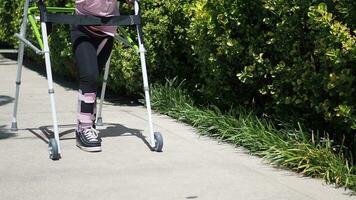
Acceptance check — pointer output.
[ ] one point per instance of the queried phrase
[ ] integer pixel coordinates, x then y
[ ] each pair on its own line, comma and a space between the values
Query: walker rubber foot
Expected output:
99, 122
14, 126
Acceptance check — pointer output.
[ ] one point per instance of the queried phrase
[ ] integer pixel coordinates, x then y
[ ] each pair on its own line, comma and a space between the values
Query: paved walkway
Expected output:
190, 167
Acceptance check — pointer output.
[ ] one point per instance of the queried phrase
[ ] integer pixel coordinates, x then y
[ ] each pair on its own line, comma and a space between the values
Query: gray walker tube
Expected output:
19, 65
99, 120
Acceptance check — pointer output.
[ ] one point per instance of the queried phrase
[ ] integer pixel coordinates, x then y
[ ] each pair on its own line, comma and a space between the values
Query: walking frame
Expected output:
57, 15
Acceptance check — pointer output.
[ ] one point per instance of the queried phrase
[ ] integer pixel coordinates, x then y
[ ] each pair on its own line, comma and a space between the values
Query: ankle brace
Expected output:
86, 118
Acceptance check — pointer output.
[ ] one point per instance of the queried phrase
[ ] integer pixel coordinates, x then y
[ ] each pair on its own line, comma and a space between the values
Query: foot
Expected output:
88, 140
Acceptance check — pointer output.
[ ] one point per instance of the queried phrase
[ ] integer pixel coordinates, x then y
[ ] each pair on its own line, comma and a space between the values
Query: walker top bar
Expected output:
65, 15
60, 18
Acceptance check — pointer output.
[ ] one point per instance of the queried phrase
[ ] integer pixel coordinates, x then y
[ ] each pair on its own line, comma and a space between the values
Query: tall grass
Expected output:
285, 147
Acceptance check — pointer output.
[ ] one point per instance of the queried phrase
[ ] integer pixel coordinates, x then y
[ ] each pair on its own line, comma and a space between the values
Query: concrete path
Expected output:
190, 166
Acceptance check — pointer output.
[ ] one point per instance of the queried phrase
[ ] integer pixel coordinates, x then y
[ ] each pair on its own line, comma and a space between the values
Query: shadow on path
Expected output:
4, 133
5, 100
111, 130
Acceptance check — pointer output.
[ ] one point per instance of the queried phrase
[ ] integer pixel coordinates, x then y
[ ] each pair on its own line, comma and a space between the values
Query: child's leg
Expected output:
85, 50
86, 62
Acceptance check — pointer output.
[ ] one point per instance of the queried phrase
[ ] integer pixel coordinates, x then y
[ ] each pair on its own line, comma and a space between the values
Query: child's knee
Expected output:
90, 80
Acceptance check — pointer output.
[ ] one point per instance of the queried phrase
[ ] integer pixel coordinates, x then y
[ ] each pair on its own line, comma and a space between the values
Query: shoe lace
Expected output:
91, 134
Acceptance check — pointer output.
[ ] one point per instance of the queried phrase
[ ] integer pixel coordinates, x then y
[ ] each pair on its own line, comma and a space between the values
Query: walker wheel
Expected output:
53, 149
158, 142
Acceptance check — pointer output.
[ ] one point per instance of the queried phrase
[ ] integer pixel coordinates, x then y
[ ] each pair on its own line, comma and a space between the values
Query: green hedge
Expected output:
285, 146
10, 18
285, 58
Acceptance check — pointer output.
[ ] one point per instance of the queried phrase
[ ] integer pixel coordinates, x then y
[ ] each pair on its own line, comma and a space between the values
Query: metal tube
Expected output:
144, 76
147, 95
50, 82
99, 121
9, 50
29, 44
19, 65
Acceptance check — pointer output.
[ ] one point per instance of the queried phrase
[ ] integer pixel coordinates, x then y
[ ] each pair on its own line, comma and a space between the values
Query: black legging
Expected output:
88, 62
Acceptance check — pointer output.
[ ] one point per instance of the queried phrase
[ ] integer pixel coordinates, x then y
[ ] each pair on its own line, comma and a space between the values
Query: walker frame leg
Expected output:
156, 140
50, 86
99, 121
19, 65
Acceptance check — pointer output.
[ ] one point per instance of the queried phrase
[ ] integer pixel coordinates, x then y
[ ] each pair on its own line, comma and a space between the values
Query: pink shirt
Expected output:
101, 8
